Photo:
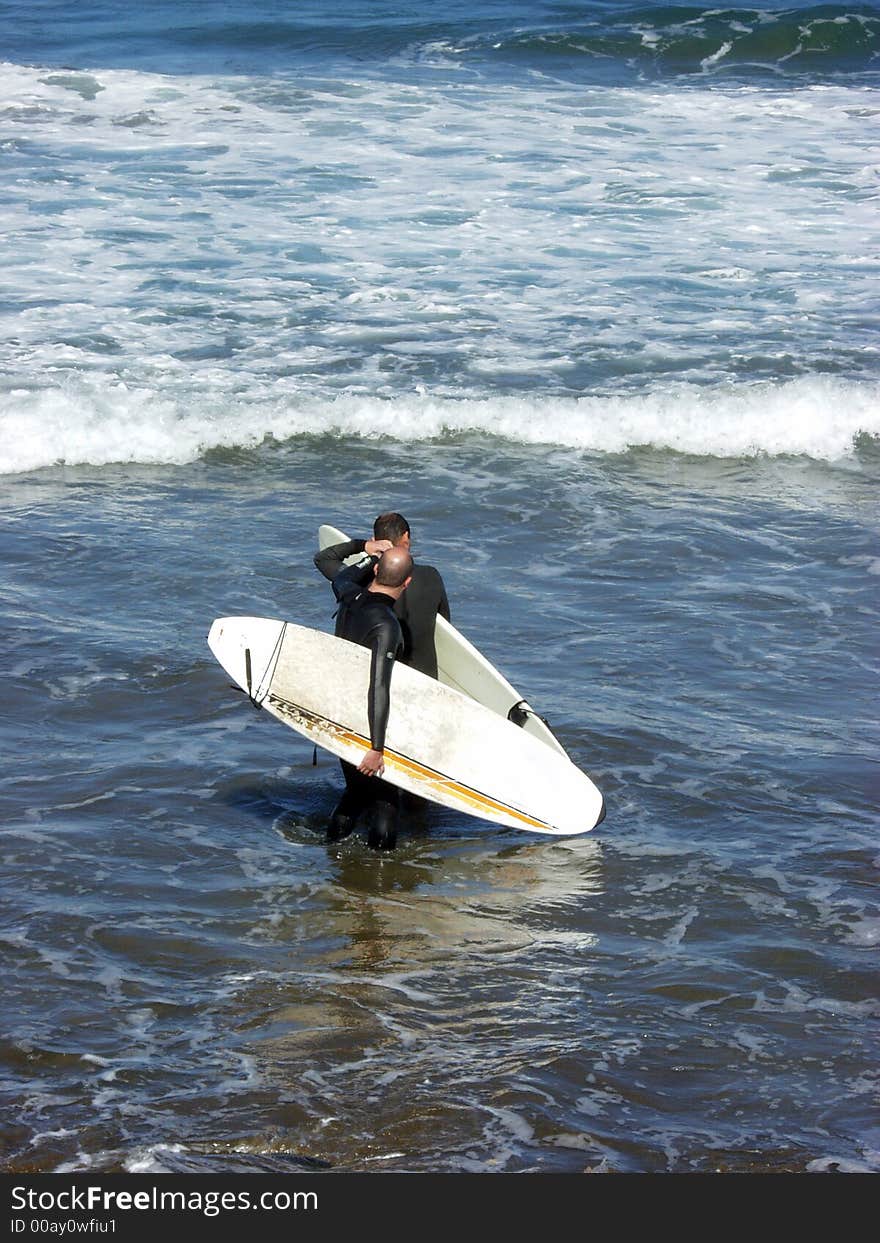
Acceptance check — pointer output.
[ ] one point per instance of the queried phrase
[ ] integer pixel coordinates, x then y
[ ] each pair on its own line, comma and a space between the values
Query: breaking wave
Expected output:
90, 424
662, 42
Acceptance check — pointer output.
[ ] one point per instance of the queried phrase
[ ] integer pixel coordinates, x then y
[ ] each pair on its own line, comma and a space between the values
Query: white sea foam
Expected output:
844, 1165
95, 424
212, 232
865, 932
149, 1160
154, 266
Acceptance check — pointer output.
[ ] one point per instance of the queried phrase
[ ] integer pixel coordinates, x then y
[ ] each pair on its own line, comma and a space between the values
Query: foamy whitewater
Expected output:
590, 294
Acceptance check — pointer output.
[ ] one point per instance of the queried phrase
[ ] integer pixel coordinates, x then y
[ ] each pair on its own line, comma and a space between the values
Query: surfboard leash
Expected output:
266, 679
521, 711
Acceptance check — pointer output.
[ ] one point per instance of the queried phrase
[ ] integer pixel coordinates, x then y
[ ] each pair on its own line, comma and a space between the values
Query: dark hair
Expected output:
394, 569
390, 526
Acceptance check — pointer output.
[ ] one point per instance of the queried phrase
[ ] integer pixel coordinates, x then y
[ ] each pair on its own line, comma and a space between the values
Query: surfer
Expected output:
417, 608
367, 597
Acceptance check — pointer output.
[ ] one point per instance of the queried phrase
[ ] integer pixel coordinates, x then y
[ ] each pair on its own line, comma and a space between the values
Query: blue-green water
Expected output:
589, 293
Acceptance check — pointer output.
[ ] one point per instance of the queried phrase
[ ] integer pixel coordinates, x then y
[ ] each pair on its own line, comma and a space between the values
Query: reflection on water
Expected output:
425, 974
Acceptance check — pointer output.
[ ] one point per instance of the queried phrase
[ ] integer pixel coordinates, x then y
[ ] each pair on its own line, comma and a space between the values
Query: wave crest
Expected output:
88, 424
661, 42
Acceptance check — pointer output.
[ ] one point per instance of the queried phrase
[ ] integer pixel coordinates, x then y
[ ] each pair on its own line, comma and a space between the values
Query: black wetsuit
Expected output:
367, 617
416, 609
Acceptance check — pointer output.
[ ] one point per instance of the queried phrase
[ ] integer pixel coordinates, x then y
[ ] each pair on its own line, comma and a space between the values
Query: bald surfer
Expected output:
416, 610
367, 597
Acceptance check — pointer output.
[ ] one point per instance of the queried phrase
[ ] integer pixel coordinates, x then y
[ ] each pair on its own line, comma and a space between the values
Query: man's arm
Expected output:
438, 591
443, 606
330, 561
384, 645
351, 580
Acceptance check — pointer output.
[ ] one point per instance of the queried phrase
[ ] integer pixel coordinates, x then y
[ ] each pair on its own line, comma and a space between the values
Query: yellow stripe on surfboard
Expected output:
479, 801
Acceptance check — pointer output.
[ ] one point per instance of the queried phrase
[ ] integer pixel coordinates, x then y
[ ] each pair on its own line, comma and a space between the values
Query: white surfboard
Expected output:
462, 666
439, 744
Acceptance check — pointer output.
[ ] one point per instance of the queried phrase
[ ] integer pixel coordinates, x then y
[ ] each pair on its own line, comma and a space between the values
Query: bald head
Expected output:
394, 568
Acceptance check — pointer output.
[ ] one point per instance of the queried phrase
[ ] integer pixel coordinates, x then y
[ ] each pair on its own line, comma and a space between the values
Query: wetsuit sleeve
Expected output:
350, 580
331, 560
384, 642
443, 606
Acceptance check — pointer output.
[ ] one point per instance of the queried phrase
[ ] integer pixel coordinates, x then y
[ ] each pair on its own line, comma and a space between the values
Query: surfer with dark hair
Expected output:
393, 527
417, 609
367, 596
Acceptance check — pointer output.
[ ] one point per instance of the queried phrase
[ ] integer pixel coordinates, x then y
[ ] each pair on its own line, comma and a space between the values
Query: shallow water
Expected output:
603, 329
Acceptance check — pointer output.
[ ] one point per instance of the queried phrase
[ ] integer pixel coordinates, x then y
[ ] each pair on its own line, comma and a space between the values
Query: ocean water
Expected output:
588, 292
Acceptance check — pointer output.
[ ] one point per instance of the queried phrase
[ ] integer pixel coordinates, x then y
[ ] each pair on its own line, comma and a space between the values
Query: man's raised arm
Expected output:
331, 560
